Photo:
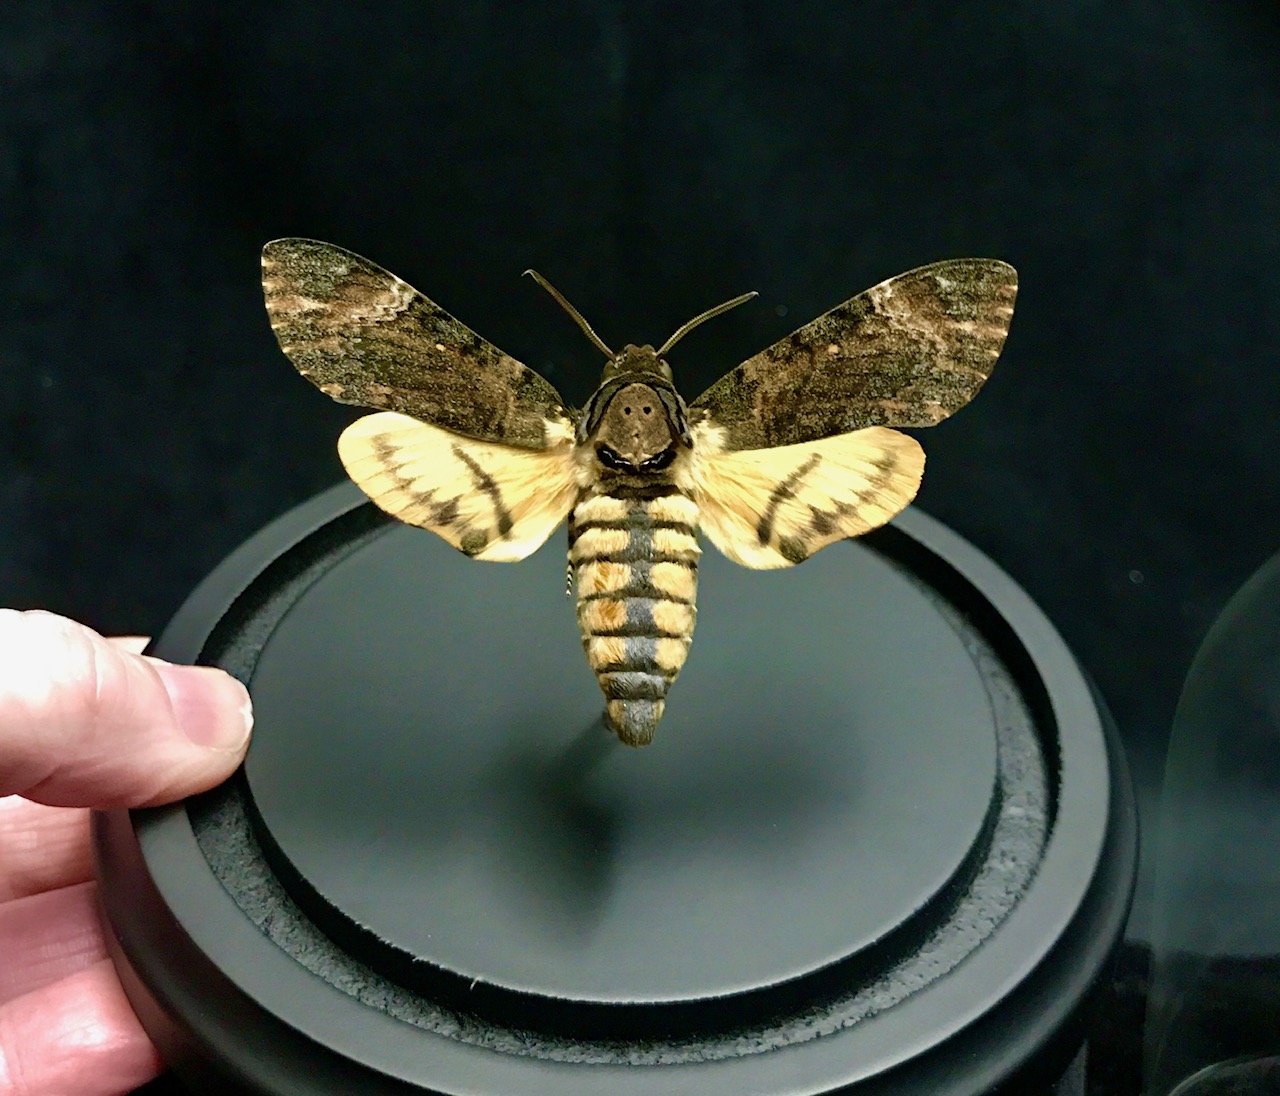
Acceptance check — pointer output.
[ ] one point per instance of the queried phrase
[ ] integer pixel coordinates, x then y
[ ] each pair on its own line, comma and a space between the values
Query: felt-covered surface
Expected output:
246, 855
653, 159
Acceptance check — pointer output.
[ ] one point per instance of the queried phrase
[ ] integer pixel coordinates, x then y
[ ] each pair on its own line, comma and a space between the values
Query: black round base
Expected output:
881, 839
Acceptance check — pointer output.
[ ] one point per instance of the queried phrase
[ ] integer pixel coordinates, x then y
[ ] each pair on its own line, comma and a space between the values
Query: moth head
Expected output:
637, 359
636, 370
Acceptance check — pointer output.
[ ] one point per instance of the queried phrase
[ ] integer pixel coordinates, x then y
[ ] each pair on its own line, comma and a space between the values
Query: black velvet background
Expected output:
653, 159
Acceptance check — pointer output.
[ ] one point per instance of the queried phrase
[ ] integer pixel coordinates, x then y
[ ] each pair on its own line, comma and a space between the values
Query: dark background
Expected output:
653, 159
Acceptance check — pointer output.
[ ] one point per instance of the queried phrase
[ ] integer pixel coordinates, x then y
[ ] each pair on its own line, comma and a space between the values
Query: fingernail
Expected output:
133, 644
212, 707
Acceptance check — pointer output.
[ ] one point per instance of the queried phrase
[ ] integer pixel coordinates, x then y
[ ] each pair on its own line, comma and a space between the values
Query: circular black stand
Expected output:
881, 842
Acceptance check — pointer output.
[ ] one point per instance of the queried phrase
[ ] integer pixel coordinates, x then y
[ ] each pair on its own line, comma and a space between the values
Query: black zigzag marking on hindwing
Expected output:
785, 490
486, 483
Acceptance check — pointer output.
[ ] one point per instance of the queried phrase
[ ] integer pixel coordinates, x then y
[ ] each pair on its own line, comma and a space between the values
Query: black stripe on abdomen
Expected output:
635, 562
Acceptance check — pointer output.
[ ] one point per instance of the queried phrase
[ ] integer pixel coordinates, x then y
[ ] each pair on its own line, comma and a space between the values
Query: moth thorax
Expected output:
634, 428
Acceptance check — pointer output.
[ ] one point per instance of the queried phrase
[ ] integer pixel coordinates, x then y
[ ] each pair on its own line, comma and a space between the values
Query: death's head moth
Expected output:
785, 454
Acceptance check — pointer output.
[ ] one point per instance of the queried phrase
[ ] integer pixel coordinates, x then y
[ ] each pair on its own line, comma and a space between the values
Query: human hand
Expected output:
86, 722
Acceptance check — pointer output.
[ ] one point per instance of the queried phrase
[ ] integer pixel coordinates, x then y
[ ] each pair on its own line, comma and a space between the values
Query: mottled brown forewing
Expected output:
908, 352
363, 336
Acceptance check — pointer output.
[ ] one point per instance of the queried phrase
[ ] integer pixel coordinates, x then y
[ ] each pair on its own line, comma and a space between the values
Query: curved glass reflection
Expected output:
1213, 1022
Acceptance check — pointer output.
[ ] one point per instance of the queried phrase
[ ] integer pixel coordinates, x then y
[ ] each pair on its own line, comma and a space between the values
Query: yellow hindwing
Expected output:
493, 502
768, 508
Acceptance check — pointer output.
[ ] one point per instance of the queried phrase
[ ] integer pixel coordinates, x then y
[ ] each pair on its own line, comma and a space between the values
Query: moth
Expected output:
790, 451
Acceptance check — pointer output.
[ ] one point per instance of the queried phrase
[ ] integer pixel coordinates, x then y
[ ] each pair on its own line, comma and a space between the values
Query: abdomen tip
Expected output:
634, 721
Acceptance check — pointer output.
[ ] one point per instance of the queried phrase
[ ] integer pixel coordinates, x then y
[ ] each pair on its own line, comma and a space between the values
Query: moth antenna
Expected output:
577, 316
708, 314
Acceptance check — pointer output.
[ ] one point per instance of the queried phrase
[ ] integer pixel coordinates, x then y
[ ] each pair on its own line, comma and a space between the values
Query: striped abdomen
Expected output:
635, 563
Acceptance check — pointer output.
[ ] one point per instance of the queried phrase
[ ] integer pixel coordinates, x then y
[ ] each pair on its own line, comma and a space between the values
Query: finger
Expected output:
41, 848
46, 937
135, 645
83, 723
77, 1036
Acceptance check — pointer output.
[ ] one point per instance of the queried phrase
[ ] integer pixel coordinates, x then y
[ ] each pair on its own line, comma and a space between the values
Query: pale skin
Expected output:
86, 722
